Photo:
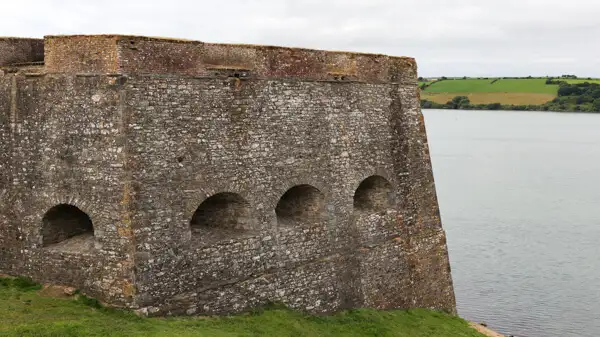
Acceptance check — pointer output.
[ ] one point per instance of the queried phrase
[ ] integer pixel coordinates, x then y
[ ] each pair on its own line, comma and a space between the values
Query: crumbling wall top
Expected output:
16, 50
122, 54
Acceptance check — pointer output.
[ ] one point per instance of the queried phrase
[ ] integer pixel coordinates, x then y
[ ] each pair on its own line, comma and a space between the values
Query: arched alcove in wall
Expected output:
63, 222
374, 194
223, 210
301, 203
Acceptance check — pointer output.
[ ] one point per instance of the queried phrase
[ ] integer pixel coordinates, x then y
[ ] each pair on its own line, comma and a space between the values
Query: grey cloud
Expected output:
451, 38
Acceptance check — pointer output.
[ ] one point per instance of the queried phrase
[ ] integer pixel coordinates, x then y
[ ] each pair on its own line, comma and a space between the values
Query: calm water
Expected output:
519, 194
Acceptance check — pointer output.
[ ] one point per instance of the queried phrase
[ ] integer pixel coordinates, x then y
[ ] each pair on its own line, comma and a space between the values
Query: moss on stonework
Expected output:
25, 312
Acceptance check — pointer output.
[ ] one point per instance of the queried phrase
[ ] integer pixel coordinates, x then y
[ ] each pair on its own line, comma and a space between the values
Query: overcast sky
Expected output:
447, 37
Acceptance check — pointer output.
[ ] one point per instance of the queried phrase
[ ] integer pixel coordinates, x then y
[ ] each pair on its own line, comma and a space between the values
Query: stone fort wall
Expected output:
180, 177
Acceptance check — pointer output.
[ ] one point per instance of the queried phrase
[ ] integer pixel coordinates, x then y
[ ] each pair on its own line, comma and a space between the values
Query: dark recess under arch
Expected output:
64, 221
301, 203
374, 194
224, 210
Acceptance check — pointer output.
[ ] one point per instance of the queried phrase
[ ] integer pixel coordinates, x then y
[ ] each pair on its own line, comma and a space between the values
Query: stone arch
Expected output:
225, 210
300, 203
65, 221
374, 194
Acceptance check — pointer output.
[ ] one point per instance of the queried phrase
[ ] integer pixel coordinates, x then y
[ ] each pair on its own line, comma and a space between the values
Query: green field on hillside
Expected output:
525, 91
27, 311
538, 86
532, 94
580, 80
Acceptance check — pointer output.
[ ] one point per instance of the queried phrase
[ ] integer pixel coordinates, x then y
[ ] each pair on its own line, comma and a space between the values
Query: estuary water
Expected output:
519, 195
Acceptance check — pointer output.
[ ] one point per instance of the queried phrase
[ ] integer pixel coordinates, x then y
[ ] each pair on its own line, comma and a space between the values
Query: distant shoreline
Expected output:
565, 94
516, 110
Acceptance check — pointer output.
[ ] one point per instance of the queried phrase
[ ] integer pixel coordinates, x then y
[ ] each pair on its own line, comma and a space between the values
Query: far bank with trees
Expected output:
572, 94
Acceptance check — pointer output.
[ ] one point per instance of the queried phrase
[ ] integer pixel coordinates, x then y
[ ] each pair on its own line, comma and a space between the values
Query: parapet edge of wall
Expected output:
17, 50
123, 54
93, 54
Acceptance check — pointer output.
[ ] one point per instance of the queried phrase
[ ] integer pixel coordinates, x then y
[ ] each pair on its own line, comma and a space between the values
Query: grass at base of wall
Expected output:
24, 311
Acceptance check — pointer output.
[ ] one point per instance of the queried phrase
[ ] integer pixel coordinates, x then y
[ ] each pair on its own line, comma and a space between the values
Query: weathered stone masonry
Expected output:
181, 177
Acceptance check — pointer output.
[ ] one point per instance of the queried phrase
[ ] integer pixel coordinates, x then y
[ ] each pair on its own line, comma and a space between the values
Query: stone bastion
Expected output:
181, 177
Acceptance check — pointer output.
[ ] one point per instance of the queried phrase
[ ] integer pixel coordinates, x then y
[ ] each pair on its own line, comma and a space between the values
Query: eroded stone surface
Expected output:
219, 178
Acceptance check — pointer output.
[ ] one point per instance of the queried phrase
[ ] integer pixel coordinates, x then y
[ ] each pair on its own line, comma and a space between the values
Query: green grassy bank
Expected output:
538, 94
27, 311
524, 85
522, 91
